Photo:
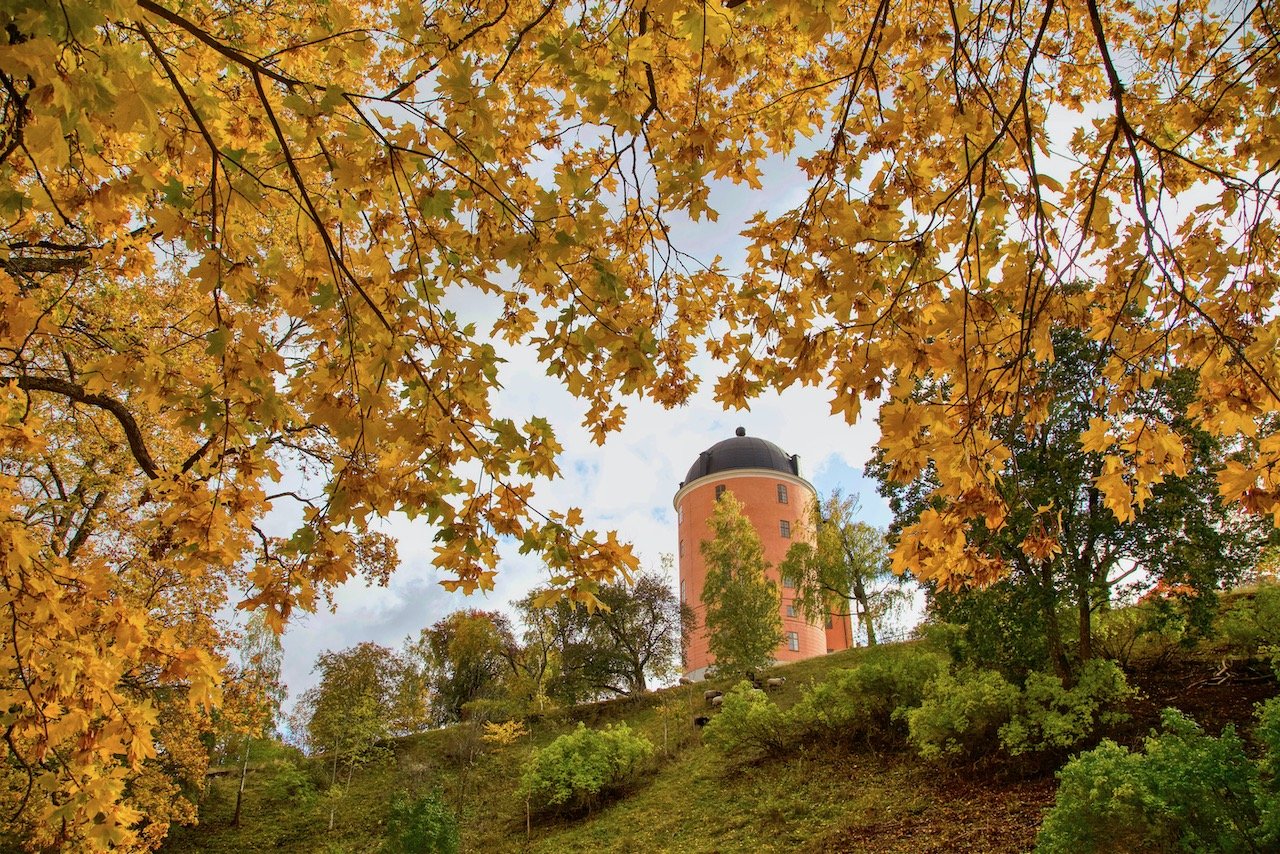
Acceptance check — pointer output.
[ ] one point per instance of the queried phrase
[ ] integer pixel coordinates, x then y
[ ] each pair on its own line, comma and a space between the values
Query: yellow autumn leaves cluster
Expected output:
234, 243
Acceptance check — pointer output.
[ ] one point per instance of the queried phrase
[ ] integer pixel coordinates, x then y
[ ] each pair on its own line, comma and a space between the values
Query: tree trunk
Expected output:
1049, 607
1085, 613
860, 596
333, 782
244, 772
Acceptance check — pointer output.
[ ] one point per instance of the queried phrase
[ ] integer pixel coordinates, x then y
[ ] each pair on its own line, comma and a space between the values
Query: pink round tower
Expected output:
777, 500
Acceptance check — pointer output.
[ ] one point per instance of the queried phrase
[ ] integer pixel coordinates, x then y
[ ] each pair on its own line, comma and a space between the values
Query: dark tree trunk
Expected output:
1049, 607
1085, 611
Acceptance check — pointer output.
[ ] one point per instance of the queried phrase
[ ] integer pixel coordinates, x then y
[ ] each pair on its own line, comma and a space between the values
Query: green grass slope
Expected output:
689, 801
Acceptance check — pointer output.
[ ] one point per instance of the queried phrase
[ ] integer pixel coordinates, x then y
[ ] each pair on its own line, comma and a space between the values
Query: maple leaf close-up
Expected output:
233, 236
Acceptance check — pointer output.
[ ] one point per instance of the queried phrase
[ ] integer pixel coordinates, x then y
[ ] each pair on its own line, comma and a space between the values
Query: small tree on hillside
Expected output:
741, 602
846, 564
468, 656
261, 660
611, 650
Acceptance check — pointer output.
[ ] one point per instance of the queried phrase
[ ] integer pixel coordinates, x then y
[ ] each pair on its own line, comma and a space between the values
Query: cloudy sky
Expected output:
626, 486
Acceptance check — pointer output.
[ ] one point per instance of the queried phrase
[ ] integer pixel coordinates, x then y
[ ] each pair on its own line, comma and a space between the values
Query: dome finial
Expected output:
741, 431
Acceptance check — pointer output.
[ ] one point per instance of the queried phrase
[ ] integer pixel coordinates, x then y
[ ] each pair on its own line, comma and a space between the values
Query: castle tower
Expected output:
777, 500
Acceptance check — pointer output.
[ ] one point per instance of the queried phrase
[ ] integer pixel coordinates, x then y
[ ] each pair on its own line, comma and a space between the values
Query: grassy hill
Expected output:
690, 800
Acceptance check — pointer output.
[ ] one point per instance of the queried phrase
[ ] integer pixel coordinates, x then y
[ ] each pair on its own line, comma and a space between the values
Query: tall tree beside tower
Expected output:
845, 570
742, 620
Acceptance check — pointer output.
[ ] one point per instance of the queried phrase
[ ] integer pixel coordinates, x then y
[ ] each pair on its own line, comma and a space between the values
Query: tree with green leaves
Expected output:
741, 604
613, 650
356, 706
847, 563
1069, 552
468, 656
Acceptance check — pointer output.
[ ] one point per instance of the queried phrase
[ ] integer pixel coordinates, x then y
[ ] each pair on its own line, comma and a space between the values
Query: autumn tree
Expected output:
231, 240
468, 656
846, 564
741, 604
1069, 564
346, 679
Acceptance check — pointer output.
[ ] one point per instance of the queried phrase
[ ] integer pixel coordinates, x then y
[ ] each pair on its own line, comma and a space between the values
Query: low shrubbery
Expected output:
1153, 631
960, 715
422, 825
578, 770
750, 726
1050, 716
865, 704
289, 784
915, 699
1250, 625
1184, 791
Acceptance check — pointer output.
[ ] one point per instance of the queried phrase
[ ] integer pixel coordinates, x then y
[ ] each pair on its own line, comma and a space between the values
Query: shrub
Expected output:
578, 769
290, 784
1185, 791
961, 715
1267, 793
422, 826
1252, 623
867, 702
750, 726
1050, 716
1151, 631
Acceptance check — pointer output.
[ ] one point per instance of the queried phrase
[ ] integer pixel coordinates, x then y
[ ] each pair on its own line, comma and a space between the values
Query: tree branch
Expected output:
77, 394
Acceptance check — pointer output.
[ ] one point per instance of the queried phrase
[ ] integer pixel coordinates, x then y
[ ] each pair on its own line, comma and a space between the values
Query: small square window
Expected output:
793, 641
719, 490
791, 609
785, 527
788, 583
782, 493
829, 623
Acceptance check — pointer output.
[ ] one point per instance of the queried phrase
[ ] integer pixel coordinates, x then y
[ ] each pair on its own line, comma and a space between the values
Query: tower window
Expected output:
791, 609
782, 493
793, 641
719, 490
785, 527
829, 622
682, 548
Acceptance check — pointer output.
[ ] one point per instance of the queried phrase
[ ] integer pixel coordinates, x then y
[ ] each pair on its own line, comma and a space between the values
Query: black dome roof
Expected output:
742, 452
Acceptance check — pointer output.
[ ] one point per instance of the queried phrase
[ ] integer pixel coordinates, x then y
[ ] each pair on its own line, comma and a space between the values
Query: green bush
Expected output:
422, 826
961, 715
1152, 631
290, 784
867, 703
1050, 716
1251, 623
1186, 791
750, 727
1267, 793
1000, 628
578, 769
